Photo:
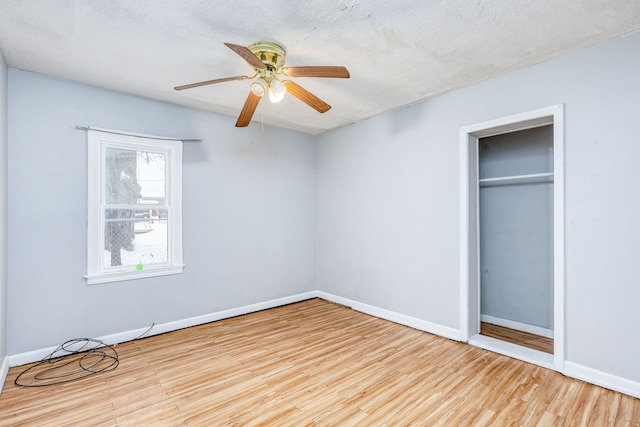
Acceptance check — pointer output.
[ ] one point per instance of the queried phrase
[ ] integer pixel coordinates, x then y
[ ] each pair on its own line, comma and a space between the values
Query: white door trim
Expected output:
469, 136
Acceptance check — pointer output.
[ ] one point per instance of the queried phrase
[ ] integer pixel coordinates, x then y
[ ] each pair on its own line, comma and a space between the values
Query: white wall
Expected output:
388, 200
248, 208
3, 210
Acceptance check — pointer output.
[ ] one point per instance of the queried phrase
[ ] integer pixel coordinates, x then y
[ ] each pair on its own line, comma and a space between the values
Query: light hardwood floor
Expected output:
525, 339
314, 363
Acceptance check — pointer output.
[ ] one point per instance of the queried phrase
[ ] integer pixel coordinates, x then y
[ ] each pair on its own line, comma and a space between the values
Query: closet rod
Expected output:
518, 179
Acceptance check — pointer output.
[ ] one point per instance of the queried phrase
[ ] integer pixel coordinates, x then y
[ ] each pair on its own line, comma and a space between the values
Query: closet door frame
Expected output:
469, 223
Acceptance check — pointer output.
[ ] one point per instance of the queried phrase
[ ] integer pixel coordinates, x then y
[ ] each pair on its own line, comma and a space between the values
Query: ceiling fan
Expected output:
267, 59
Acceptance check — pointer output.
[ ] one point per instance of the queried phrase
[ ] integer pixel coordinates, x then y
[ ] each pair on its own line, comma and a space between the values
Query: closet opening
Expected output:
512, 246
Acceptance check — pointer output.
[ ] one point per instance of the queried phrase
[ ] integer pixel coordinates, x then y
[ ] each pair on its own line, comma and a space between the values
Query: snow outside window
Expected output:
135, 208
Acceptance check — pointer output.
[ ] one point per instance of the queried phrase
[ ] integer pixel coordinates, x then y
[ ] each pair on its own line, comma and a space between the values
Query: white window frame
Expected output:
98, 142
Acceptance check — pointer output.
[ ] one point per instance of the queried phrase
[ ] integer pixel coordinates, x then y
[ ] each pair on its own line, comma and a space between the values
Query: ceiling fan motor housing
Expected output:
271, 54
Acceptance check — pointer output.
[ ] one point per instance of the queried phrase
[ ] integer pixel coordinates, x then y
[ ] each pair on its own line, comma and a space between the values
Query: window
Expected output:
134, 207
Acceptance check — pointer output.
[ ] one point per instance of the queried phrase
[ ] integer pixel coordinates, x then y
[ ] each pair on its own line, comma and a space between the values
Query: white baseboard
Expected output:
392, 316
603, 379
518, 326
4, 370
212, 317
571, 369
120, 337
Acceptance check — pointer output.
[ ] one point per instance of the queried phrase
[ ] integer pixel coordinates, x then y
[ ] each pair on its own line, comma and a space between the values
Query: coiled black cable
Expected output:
91, 356
71, 361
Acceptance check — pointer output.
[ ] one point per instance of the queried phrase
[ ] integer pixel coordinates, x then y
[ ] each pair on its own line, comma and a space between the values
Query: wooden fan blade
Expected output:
338, 72
210, 82
247, 55
307, 97
247, 111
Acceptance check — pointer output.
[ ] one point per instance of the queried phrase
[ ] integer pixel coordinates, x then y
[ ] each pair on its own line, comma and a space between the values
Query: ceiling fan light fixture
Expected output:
259, 87
276, 90
268, 59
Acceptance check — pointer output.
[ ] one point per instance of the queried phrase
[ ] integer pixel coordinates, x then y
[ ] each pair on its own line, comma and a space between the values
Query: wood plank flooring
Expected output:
314, 363
525, 339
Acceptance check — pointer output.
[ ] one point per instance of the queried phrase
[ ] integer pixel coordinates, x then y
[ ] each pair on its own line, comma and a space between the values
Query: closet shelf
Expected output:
533, 178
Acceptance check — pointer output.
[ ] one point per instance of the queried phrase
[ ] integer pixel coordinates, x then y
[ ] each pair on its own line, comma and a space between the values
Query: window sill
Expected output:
96, 279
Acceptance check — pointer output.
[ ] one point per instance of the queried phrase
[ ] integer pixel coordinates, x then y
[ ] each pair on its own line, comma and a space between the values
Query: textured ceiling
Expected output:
398, 52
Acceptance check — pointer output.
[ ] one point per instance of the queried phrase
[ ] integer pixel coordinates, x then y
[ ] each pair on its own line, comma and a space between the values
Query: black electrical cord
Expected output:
71, 361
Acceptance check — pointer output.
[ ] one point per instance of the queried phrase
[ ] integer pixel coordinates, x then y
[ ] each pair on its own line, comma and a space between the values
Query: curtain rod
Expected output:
87, 128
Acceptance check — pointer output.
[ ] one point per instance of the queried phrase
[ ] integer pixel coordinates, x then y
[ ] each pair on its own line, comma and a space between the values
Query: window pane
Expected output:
135, 236
134, 177
151, 177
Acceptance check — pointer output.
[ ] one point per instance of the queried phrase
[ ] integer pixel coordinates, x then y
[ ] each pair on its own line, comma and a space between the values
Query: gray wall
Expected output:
516, 228
386, 210
3, 208
248, 198
388, 200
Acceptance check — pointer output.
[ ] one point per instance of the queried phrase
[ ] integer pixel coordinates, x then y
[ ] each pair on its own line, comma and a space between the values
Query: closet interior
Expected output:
515, 221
